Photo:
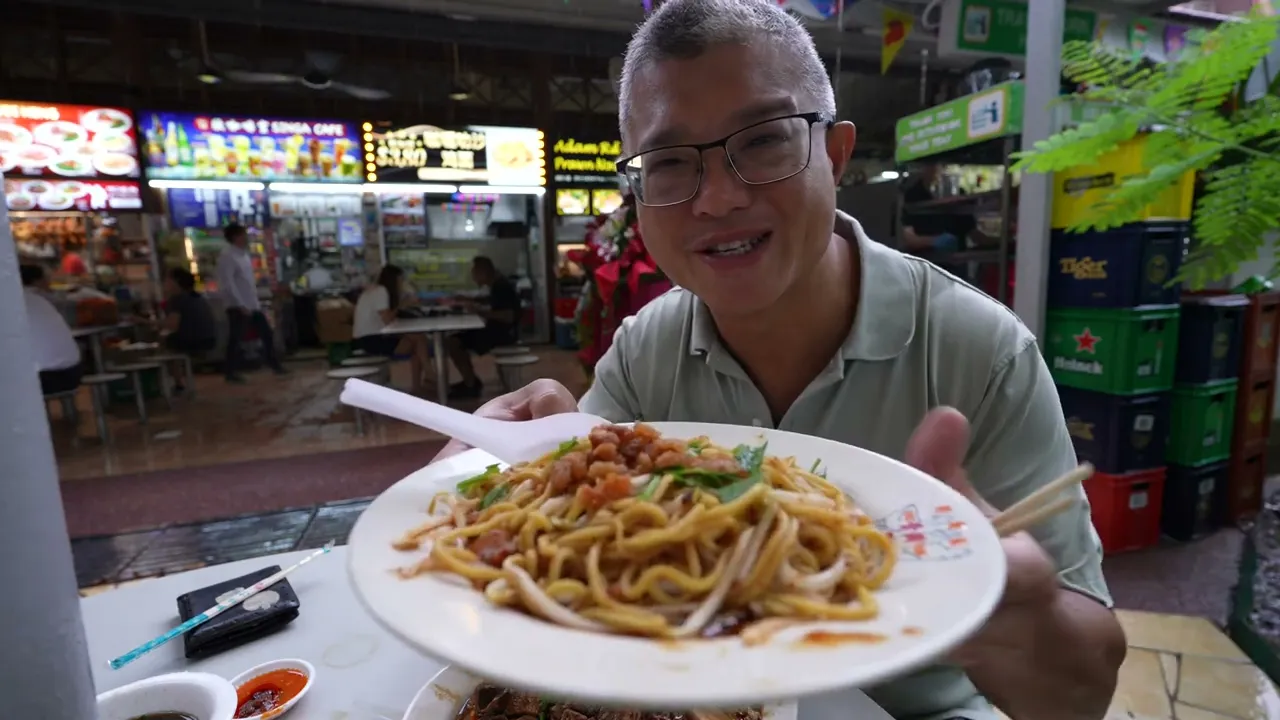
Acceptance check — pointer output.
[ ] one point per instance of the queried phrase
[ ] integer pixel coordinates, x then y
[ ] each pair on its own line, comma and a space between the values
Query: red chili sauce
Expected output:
269, 691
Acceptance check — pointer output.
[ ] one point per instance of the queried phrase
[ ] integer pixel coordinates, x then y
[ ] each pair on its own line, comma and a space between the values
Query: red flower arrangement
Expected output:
621, 278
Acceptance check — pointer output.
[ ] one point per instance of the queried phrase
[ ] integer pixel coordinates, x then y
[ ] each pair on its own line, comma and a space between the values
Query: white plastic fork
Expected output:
510, 442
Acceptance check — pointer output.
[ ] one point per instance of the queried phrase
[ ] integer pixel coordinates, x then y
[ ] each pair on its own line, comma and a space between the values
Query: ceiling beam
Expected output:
384, 23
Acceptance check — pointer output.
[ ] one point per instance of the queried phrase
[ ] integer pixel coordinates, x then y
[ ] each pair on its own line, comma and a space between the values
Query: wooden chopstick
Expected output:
1041, 504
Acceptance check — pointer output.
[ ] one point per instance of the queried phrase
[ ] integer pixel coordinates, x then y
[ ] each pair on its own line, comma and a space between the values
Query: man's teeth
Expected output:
739, 247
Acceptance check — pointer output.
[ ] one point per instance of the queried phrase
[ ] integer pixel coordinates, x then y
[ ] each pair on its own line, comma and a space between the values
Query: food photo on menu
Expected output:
66, 141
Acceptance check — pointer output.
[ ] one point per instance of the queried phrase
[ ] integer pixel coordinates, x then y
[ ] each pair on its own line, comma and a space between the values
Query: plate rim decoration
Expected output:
929, 605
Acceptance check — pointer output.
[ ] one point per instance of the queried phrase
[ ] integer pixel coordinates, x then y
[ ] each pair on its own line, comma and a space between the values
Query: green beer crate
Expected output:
1120, 352
1200, 421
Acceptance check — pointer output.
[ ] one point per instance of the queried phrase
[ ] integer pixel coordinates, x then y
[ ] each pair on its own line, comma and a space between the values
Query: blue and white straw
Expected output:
214, 611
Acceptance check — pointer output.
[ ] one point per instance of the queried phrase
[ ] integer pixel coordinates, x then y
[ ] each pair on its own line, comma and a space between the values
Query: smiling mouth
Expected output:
737, 247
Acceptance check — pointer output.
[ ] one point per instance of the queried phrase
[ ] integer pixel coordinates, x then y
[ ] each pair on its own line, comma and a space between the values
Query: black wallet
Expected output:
259, 616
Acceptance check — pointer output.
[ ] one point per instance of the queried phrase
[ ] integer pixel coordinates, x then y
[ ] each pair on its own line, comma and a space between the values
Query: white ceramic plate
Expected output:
442, 698
949, 577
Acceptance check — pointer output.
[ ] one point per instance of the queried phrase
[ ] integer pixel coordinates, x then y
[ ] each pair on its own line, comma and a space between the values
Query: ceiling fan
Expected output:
318, 75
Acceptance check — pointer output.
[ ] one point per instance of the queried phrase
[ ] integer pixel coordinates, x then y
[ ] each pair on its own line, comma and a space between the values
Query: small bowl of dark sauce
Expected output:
268, 691
175, 696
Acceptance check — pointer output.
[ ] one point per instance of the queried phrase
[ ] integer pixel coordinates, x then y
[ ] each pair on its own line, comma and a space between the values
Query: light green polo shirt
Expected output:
922, 339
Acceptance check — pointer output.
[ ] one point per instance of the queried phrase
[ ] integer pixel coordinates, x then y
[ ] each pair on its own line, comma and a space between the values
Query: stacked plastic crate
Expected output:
1202, 415
1111, 340
1239, 336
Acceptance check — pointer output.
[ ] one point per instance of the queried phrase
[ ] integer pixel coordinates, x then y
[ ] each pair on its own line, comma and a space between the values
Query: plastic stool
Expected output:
358, 371
511, 370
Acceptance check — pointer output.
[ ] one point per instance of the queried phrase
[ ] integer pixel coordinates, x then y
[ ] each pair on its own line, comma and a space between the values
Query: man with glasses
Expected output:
788, 316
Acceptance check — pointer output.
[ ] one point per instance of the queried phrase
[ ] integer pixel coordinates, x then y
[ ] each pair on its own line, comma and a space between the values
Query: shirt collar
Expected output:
886, 320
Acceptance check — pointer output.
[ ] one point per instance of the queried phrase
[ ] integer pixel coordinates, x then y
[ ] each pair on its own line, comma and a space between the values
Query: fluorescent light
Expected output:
501, 190
205, 185
890, 175
409, 188
288, 187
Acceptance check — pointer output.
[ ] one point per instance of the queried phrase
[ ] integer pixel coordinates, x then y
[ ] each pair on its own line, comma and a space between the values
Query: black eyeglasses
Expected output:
760, 154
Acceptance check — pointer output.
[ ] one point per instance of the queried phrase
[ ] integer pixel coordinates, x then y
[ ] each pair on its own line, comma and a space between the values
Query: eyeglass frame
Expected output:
813, 118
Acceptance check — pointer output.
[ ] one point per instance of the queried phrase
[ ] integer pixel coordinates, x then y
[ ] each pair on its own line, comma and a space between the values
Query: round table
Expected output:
362, 671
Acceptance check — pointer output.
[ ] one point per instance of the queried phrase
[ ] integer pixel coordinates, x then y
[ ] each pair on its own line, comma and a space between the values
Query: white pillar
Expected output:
44, 659
1039, 121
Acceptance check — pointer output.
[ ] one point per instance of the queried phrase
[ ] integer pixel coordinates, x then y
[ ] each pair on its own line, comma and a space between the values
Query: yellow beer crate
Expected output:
1076, 191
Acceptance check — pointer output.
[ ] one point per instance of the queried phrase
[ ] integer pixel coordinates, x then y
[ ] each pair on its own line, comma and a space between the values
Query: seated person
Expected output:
55, 351
375, 309
499, 326
923, 231
188, 326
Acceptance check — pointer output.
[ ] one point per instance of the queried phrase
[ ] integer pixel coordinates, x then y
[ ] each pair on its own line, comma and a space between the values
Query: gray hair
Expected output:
685, 29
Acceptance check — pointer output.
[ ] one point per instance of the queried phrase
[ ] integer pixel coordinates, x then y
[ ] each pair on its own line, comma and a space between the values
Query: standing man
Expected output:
240, 295
787, 315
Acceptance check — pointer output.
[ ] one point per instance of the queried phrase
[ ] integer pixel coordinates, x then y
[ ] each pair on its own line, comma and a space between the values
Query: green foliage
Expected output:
1189, 108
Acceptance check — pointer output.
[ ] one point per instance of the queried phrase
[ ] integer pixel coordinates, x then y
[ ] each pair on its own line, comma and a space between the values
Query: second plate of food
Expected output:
679, 565
455, 694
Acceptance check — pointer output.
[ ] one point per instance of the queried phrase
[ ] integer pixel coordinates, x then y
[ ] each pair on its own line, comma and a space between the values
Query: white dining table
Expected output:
94, 334
435, 328
362, 671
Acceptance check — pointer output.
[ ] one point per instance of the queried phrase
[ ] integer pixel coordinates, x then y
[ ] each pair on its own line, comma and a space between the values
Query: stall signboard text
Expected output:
184, 146
84, 195
473, 155
41, 140
965, 121
585, 162
999, 27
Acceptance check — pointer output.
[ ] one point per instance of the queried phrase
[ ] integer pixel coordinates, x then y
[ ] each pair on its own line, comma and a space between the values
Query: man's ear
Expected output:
841, 139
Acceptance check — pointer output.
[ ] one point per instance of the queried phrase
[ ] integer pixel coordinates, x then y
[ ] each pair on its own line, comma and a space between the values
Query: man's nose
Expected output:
721, 190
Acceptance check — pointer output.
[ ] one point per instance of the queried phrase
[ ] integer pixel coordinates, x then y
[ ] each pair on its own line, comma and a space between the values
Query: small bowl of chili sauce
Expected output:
272, 689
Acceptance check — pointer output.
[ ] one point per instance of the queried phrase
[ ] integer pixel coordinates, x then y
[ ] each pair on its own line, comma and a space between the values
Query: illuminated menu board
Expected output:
182, 146
475, 154
576, 161
22, 195
39, 140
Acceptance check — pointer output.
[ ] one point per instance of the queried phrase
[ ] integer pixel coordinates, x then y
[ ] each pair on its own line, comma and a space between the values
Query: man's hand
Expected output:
1041, 635
539, 398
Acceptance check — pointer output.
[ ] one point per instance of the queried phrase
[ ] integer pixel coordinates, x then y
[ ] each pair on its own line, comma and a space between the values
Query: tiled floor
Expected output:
269, 417
108, 560
1184, 668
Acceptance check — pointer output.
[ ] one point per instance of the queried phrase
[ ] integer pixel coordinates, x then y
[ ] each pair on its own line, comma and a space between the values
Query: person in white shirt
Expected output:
56, 353
240, 295
377, 307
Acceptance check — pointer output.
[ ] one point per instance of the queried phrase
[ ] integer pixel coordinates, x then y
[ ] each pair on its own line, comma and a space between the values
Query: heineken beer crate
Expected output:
1121, 352
1201, 418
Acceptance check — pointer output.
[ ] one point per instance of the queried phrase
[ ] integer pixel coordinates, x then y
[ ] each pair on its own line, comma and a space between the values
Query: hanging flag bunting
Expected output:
816, 9
896, 26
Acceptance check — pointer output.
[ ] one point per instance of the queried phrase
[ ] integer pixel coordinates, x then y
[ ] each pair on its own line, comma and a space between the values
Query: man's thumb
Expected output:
939, 446
548, 397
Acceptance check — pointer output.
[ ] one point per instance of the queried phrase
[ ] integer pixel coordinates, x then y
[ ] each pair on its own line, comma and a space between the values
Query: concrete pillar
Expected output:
1039, 121
44, 658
